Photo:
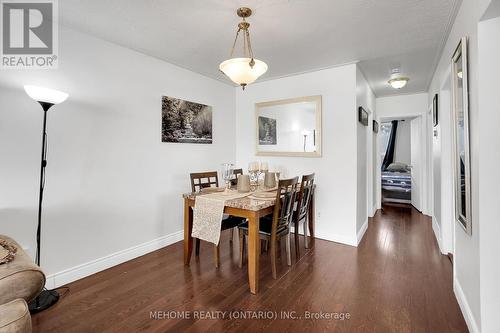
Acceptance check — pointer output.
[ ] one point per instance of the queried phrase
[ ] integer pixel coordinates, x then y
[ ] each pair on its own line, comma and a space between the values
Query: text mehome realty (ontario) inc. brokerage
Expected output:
248, 315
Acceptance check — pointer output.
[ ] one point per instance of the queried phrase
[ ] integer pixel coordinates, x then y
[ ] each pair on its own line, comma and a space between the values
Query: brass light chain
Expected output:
247, 46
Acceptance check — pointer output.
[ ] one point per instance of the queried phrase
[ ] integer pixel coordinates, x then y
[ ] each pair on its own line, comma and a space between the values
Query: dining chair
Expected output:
276, 226
199, 181
236, 172
301, 213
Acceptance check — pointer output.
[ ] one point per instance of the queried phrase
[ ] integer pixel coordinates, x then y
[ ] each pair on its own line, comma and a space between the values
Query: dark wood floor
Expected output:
395, 281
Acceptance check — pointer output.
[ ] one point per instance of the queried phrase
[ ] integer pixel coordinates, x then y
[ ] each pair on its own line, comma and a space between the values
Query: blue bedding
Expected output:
396, 186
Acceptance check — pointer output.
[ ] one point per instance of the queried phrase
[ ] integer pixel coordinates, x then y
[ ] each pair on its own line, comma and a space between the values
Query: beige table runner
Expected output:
208, 212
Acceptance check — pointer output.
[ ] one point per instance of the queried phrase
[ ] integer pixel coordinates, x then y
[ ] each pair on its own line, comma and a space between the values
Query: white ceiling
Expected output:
291, 36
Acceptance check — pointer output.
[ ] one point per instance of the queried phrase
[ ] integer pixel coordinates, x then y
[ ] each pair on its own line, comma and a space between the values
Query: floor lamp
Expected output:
47, 98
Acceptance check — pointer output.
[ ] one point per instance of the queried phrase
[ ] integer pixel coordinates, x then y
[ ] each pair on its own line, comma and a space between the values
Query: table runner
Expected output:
208, 212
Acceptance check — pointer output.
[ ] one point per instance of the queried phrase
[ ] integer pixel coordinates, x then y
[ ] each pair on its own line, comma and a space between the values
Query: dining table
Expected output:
250, 208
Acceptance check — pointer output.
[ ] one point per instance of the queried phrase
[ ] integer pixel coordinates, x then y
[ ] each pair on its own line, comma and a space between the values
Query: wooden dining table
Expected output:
247, 207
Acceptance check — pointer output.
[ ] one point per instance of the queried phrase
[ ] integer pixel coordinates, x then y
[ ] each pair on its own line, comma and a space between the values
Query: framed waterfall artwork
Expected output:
185, 122
461, 134
267, 131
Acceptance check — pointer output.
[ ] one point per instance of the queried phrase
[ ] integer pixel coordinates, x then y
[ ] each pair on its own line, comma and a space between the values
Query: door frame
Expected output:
426, 156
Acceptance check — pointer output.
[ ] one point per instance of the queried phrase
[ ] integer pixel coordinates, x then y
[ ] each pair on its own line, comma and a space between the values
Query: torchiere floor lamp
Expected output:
47, 98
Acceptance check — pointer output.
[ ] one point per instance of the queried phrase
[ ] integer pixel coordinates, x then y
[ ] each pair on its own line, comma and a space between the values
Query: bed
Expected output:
396, 184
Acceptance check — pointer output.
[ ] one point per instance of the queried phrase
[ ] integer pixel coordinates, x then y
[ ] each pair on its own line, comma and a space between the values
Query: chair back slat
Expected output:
285, 200
201, 180
304, 196
236, 172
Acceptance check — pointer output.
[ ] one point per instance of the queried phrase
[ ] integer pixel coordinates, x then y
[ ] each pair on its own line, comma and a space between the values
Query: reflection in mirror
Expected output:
289, 127
461, 130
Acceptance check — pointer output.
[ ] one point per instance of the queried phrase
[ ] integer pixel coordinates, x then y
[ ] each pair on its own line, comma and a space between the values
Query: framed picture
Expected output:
435, 107
185, 122
375, 126
461, 151
267, 131
362, 116
289, 127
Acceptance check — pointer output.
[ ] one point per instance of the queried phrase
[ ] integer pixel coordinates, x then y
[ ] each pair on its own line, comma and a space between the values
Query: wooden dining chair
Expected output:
301, 213
236, 172
199, 181
276, 226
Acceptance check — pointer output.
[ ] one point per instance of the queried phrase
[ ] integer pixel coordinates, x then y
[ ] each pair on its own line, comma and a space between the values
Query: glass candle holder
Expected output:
227, 174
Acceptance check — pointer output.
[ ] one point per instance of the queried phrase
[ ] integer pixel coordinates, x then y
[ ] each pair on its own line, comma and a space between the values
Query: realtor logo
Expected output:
29, 34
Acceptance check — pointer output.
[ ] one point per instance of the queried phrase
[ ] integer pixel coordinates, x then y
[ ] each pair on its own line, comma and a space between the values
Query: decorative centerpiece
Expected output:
256, 170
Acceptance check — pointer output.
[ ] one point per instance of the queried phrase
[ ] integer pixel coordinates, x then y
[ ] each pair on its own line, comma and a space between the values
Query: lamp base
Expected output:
45, 300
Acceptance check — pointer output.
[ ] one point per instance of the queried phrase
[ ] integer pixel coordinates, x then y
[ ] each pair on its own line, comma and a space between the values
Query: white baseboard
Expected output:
374, 211
437, 233
328, 236
352, 241
464, 306
80, 271
361, 232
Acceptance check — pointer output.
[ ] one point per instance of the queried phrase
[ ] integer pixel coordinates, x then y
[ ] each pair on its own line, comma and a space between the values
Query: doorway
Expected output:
401, 152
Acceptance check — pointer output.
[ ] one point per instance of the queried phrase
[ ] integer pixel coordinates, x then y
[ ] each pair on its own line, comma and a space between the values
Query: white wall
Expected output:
365, 137
111, 183
489, 154
401, 106
336, 169
466, 248
436, 170
402, 151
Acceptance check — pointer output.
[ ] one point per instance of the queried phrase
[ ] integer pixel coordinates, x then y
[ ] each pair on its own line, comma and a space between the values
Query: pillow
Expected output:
398, 167
7, 251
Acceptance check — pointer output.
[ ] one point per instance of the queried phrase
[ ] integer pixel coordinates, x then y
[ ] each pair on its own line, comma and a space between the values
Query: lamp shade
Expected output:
45, 95
399, 82
240, 71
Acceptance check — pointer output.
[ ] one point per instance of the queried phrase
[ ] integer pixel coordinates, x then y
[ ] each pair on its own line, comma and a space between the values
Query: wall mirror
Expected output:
290, 127
460, 99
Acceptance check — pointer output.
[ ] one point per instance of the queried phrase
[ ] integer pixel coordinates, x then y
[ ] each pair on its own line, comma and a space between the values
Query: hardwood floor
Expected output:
395, 281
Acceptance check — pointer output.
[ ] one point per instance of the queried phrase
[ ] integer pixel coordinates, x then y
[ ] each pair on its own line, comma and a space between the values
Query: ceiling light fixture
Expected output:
398, 81
247, 69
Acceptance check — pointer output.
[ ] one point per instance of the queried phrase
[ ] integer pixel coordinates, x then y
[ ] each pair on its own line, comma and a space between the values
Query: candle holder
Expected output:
254, 172
227, 175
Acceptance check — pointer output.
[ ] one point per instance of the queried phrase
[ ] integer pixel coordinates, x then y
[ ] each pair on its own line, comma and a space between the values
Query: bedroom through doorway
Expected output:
400, 156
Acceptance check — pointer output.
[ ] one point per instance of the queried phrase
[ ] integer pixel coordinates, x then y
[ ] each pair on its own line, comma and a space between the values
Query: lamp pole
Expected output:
46, 98
45, 106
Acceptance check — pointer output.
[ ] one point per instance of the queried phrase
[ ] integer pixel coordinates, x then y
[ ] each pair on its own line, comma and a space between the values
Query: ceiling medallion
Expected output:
246, 69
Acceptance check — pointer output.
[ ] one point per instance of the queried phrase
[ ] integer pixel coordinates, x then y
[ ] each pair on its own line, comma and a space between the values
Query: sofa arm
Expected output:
15, 317
20, 278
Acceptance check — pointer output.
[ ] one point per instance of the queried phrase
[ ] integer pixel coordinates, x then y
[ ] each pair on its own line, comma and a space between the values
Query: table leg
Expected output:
188, 227
311, 215
253, 253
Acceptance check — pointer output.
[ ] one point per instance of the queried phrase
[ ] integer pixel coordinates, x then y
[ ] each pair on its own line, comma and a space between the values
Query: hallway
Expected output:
395, 281
413, 279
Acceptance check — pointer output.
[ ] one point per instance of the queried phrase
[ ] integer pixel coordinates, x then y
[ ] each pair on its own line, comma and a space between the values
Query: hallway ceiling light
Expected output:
246, 69
398, 81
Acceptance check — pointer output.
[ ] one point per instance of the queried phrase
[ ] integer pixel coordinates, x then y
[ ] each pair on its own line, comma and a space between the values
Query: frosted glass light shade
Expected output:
240, 72
46, 95
399, 82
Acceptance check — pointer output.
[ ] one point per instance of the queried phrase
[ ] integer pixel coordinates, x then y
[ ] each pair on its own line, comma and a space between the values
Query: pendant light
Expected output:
246, 69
